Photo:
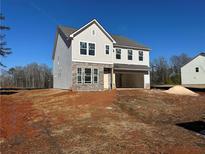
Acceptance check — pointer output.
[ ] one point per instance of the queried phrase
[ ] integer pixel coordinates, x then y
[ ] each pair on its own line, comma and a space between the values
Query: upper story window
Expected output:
88, 78
129, 55
83, 48
197, 69
107, 49
79, 75
118, 53
91, 49
140, 55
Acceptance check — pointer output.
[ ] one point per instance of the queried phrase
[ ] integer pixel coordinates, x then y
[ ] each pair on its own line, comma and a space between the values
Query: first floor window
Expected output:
197, 69
83, 48
95, 76
88, 75
107, 49
129, 55
91, 49
79, 75
140, 55
118, 53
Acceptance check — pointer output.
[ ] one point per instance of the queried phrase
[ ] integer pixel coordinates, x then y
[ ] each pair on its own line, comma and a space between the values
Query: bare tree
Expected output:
30, 76
159, 73
4, 51
163, 72
176, 62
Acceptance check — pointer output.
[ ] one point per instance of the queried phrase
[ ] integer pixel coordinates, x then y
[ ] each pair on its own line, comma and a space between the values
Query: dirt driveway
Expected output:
139, 121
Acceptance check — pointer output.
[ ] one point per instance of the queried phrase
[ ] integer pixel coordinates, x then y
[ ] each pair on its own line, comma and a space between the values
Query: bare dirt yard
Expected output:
132, 121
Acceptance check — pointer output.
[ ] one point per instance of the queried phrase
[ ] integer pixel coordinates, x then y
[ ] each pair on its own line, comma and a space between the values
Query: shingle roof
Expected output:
202, 54
67, 30
125, 42
120, 40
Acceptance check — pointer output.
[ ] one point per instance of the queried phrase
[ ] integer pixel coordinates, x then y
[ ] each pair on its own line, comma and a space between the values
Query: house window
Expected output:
88, 75
95, 76
91, 49
118, 53
107, 49
83, 48
197, 69
79, 75
93, 32
129, 54
140, 55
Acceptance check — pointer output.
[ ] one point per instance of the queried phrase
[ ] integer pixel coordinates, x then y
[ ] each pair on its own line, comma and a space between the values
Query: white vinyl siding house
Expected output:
91, 59
193, 73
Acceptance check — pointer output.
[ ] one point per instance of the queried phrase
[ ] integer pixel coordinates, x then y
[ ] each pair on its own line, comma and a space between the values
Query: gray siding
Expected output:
62, 65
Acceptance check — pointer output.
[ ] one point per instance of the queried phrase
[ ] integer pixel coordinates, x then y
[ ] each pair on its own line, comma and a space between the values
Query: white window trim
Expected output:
116, 53
80, 75
106, 49
197, 68
128, 54
88, 49
142, 56
95, 75
93, 30
90, 75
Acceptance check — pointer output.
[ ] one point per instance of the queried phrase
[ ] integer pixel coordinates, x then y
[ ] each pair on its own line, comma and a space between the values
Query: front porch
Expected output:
126, 76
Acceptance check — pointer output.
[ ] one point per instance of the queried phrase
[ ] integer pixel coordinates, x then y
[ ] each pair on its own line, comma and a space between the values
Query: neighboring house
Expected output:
193, 73
91, 59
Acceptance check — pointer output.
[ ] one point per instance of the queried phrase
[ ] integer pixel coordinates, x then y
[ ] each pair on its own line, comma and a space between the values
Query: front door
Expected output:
107, 81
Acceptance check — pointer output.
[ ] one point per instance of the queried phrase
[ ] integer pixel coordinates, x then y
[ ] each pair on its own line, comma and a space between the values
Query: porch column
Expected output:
113, 78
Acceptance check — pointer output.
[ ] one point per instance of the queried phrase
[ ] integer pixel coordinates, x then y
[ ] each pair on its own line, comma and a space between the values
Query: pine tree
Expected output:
4, 51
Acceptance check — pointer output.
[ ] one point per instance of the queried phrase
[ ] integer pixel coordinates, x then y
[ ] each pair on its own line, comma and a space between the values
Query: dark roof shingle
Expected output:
125, 42
120, 40
202, 54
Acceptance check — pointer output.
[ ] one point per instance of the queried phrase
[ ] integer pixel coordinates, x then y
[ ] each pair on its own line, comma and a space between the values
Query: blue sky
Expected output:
168, 27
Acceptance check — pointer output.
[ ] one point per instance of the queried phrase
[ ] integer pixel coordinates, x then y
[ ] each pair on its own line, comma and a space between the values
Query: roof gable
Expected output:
88, 25
120, 40
200, 54
67, 33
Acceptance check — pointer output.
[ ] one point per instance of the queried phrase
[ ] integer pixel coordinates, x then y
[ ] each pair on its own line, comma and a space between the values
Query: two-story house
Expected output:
91, 59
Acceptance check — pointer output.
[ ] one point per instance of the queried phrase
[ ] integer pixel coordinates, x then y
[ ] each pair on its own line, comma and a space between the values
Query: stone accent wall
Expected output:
89, 86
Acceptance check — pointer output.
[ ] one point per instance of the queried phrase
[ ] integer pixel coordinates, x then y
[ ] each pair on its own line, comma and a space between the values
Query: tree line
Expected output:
35, 75
165, 71
30, 76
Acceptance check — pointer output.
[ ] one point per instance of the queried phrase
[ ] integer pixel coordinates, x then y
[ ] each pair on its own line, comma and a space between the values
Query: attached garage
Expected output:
130, 76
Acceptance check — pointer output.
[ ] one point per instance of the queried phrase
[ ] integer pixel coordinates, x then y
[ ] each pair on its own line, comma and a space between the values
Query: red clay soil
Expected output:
57, 121
15, 117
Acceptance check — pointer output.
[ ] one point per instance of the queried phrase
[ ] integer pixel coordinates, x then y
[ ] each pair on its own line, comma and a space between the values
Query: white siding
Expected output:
135, 58
62, 65
100, 40
189, 74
